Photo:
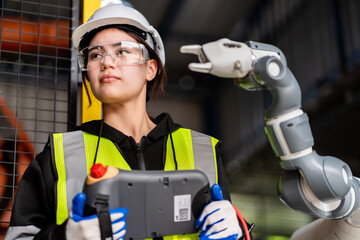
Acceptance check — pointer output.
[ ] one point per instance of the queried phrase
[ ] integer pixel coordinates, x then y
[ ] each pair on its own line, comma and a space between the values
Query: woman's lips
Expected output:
108, 79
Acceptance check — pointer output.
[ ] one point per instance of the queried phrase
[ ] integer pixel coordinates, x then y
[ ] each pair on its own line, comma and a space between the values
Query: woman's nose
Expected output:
108, 60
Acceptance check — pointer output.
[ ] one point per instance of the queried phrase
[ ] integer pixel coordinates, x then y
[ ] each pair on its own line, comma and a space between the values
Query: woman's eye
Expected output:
95, 55
122, 51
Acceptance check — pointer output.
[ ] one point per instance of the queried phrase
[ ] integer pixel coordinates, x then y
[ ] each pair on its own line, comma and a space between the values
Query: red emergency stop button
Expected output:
97, 170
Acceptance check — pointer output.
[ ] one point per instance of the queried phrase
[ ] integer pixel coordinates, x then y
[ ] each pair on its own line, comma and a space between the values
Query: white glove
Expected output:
86, 228
218, 220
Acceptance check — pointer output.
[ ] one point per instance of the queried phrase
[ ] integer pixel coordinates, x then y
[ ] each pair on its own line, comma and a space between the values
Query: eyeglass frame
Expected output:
83, 59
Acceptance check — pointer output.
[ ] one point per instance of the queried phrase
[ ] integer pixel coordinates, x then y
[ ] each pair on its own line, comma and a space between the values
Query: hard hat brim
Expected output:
79, 33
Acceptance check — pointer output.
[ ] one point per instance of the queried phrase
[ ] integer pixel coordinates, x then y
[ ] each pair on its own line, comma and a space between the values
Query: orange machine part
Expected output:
24, 155
23, 34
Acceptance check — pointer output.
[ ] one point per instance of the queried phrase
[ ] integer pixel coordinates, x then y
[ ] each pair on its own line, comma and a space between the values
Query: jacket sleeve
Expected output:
33, 212
222, 179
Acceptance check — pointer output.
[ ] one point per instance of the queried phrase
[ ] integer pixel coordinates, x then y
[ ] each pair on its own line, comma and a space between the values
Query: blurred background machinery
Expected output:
40, 87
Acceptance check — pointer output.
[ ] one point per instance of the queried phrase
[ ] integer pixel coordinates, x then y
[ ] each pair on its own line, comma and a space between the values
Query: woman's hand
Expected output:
218, 220
80, 227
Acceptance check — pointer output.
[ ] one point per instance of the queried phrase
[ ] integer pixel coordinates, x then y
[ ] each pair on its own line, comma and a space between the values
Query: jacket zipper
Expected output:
140, 155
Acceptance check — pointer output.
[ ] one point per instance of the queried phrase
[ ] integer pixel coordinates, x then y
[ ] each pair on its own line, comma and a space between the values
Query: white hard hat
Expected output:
120, 14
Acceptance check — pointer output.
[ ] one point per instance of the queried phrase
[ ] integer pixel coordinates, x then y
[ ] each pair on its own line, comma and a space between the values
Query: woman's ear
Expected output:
152, 67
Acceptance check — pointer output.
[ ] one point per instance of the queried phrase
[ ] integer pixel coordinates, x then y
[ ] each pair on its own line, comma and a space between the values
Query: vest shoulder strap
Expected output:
70, 160
193, 150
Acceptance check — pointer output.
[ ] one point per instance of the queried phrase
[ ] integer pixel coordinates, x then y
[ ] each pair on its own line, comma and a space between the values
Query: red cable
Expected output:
242, 220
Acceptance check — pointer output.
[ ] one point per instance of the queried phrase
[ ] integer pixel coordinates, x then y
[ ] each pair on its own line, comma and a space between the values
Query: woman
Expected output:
122, 57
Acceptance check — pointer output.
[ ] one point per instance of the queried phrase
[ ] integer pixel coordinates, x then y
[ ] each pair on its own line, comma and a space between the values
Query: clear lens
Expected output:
122, 53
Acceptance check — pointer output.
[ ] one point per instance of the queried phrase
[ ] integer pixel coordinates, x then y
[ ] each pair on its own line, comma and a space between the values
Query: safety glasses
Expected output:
120, 52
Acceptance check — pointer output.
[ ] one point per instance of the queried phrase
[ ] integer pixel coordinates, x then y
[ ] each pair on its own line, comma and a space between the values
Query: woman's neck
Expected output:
131, 120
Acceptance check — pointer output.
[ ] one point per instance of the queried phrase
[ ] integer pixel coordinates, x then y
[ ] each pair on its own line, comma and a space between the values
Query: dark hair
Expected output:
156, 87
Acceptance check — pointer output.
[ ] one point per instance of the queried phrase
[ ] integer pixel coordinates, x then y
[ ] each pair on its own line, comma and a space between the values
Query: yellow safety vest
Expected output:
74, 153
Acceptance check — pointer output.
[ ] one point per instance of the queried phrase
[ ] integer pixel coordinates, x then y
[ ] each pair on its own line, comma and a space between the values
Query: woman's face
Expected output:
115, 83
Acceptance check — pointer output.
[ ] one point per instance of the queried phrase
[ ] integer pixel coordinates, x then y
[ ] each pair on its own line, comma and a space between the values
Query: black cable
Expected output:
172, 145
98, 141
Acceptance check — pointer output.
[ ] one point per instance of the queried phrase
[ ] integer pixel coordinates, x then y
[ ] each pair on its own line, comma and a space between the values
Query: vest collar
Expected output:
163, 124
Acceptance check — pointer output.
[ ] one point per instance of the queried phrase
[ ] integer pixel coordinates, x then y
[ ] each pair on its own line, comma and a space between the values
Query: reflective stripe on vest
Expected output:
74, 155
193, 150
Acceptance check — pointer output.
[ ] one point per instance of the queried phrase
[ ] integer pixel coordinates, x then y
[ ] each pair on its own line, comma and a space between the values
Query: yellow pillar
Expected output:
88, 112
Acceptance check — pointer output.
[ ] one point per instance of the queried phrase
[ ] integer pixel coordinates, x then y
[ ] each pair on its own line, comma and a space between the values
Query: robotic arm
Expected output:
321, 186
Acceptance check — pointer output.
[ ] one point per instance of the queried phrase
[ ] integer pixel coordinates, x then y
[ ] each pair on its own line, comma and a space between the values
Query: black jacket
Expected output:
35, 198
